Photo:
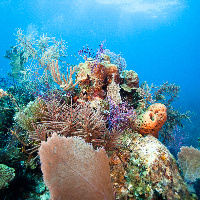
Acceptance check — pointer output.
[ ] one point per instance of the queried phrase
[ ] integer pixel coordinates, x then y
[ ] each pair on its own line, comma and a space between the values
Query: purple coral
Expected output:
119, 116
116, 59
177, 140
86, 52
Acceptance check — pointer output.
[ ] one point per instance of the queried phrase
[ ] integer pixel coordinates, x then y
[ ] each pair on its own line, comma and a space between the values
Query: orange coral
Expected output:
160, 111
112, 69
99, 72
152, 120
94, 78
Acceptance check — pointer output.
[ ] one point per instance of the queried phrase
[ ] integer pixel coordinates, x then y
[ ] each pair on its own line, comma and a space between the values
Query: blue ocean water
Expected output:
158, 39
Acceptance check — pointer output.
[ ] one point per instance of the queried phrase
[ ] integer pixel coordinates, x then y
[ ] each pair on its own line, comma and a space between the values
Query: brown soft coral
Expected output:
94, 78
97, 71
152, 120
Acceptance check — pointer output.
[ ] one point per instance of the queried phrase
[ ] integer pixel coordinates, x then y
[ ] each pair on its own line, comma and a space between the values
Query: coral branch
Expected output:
66, 84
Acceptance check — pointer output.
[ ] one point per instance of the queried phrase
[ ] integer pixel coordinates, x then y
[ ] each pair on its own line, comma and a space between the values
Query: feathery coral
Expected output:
67, 120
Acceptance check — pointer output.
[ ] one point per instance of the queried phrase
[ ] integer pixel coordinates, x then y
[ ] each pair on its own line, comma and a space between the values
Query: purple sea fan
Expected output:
177, 140
116, 59
100, 51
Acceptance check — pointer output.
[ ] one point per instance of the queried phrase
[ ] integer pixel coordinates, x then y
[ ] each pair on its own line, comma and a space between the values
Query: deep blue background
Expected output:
159, 42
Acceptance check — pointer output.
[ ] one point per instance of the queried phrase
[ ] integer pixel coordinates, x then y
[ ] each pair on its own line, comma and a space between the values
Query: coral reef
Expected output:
85, 121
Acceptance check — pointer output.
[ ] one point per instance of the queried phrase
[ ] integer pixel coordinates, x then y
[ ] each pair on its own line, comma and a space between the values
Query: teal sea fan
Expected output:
6, 175
17, 61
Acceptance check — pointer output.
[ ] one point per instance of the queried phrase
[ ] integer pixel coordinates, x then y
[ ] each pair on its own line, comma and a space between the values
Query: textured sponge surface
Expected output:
152, 120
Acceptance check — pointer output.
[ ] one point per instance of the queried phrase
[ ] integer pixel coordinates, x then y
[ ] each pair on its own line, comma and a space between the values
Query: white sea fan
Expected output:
189, 161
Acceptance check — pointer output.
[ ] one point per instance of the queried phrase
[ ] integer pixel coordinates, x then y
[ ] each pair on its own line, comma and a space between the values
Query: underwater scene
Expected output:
99, 100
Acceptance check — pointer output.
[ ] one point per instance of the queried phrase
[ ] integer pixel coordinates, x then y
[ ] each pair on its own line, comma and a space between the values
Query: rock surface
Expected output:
150, 171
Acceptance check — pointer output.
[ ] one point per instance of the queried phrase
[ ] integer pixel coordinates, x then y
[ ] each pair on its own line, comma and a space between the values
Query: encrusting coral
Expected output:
94, 78
131, 80
145, 169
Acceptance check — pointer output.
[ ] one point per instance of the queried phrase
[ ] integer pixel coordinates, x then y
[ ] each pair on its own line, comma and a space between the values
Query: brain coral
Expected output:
131, 80
152, 120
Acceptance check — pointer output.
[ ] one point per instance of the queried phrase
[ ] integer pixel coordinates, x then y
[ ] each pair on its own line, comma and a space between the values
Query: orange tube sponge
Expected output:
152, 120
160, 111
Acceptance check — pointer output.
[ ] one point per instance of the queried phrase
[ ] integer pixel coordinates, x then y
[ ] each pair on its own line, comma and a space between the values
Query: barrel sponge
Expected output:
160, 111
152, 120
